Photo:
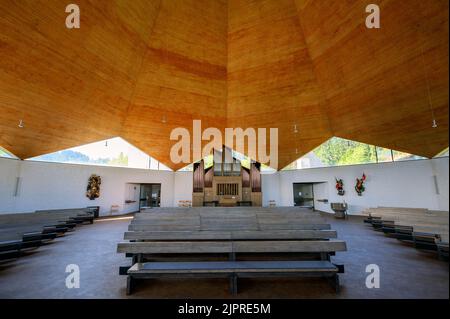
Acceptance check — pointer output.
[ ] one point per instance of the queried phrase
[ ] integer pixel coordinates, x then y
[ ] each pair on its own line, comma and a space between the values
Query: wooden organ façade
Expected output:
226, 181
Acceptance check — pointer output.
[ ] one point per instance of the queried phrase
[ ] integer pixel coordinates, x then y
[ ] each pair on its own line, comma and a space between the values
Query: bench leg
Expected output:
325, 256
137, 258
334, 280
130, 285
233, 285
123, 270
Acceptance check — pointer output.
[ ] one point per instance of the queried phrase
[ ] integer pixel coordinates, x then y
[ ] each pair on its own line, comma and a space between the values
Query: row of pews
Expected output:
230, 243
422, 228
25, 232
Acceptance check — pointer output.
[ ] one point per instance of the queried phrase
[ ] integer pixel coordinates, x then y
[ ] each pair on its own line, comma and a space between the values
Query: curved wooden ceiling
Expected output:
137, 69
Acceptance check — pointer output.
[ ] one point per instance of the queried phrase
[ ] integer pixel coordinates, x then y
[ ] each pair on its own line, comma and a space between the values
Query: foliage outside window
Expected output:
338, 151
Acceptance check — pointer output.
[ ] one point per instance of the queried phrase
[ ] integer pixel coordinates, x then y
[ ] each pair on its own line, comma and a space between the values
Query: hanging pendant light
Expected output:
434, 125
21, 125
430, 100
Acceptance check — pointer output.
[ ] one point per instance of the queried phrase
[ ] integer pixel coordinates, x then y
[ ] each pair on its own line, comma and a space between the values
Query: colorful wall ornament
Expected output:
93, 188
359, 187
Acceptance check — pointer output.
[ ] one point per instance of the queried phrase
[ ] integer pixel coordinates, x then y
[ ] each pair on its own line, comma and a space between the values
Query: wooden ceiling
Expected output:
137, 69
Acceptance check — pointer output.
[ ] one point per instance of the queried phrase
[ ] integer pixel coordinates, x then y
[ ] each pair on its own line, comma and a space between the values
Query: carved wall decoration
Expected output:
93, 188
340, 187
359, 187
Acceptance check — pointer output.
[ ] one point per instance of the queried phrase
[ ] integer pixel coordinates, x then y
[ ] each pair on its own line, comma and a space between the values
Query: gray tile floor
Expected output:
405, 271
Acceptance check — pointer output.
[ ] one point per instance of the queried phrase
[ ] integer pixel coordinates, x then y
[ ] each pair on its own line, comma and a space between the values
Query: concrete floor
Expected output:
405, 271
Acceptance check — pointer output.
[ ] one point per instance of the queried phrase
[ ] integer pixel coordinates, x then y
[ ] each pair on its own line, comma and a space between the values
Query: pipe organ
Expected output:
227, 182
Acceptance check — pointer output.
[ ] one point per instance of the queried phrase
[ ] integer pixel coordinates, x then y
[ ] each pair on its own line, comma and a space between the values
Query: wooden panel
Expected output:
229, 223
228, 235
199, 177
182, 77
227, 247
174, 247
70, 87
137, 69
271, 81
146, 227
375, 81
232, 266
288, 246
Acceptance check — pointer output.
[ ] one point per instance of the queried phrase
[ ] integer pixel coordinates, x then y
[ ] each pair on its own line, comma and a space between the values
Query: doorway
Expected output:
304, 195
150, 196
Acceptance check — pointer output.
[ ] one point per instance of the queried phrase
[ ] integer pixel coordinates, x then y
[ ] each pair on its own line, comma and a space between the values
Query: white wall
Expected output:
398, 184
9, 171
270, 188
55, 186
183, 186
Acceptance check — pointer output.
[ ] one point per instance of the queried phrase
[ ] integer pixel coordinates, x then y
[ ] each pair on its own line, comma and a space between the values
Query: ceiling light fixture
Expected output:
21, 125
295, 129
434, 125
430, 100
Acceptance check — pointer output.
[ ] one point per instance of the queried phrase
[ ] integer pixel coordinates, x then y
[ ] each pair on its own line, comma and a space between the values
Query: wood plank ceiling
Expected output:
137, 69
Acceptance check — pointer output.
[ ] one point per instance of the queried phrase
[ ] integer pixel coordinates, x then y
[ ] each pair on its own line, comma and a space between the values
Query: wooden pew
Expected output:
206, 232
422, 228
137, 227
229, 235
234, 270
231, 247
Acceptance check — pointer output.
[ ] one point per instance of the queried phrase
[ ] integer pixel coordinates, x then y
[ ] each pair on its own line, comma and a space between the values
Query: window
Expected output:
401, 156
384, 155
444, 153
338, 151
187, 168
112, 152
5, 153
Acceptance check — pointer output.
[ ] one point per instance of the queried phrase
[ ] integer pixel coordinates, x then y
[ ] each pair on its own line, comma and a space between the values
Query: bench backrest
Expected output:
213, 247
208, 220
187, 227
229, 235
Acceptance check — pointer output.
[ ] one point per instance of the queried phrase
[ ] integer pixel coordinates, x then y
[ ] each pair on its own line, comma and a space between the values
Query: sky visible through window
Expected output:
5, 153
112, 152
118, 152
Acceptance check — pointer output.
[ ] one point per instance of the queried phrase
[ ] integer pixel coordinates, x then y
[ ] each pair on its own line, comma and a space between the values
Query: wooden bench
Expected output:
79, 219
442, 248
137, 227
323, 248
23, 231
38, 236
229, 235
10, 249
403, 232
206, 236
425, 241
233, 270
